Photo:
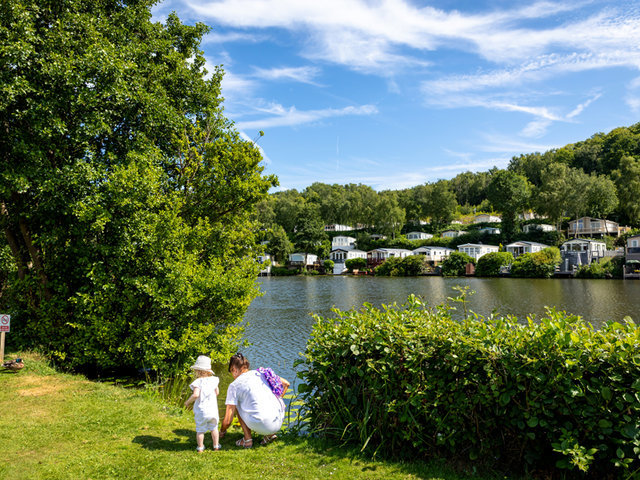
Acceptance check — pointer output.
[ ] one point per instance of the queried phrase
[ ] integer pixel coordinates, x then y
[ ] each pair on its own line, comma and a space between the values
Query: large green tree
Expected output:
125, 193
627, 179
509, 194
310, 236
390, 217
440, 204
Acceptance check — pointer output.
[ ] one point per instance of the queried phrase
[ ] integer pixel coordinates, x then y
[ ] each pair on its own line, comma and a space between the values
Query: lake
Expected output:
278, 323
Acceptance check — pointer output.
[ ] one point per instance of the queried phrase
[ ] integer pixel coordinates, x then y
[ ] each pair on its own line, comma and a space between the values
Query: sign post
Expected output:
5, 323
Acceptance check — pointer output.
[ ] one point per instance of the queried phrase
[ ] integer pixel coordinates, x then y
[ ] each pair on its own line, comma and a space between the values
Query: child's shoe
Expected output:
200, 449
217, 447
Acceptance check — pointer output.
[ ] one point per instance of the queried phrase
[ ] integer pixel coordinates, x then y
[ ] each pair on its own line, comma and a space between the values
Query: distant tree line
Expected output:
598, 177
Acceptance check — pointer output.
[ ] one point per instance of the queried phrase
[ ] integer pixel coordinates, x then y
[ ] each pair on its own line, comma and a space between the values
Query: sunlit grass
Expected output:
61, 426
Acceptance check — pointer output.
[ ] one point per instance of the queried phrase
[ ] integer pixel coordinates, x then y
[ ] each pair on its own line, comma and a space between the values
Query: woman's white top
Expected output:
258, 407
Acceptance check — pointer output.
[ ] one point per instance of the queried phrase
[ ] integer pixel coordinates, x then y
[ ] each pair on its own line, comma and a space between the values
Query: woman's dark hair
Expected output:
239, 361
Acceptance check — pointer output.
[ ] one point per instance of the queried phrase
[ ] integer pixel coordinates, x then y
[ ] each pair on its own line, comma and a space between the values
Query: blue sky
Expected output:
395, 93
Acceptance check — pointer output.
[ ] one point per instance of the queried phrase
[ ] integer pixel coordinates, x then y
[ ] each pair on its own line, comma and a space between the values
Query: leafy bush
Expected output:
456, 263
409, 380
489, 264
402, 267
283, 272
540, 264
356, 264
606, 268
328, 265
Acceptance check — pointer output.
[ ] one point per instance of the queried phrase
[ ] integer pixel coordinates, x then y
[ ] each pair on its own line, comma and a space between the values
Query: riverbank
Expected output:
59, 426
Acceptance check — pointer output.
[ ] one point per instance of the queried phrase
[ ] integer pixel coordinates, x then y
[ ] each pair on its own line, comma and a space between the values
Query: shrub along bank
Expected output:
411, 381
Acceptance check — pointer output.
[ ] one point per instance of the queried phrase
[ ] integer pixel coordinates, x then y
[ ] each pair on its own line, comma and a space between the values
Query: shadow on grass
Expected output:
427, 469
184, 440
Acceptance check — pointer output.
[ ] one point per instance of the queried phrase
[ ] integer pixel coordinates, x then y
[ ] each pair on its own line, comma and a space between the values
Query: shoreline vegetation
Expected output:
57, 426
541, 264
544, 396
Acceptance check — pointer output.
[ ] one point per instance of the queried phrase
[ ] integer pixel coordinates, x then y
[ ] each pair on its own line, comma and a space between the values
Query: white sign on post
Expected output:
5, 323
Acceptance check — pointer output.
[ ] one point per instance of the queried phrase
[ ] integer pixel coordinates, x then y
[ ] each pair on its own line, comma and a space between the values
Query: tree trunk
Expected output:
35, 257
13, 244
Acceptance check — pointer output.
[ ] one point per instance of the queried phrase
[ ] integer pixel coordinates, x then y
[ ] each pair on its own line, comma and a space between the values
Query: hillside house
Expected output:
632, 257
303, 259
342, 241
453, 233
434, 255
486, 218
377, 256
335, 227
580, 251
418, 236
538, 227
590, 227
522, 247
477, 250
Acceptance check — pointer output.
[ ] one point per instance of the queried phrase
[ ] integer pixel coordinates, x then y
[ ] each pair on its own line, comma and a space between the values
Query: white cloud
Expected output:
496, 143
536, 128
370, 35
296, 74
280, 116
635, 83
580, 108
357, 171
237, 86
634, 103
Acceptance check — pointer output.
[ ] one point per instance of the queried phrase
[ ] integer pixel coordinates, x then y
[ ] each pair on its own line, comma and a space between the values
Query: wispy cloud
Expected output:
279, 116
233, 37
295, 74
363, 34
634, 103
498, 143
580, 108
357, 171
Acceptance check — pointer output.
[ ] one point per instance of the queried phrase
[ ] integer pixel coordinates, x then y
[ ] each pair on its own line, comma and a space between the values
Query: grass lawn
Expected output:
60, 426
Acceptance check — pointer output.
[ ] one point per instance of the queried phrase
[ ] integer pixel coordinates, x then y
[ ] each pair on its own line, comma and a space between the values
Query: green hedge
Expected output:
356, 264
455, 264
540, 264
490, 263
284, 272
606, 268
402, 267
409, 381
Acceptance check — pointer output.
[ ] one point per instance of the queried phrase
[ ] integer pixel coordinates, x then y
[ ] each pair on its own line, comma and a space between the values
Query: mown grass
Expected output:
60, 426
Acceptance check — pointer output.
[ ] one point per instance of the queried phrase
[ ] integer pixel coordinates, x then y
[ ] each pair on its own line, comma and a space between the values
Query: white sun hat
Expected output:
202, 363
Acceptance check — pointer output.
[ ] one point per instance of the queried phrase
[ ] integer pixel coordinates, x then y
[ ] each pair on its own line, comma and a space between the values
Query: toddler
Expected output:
205, 395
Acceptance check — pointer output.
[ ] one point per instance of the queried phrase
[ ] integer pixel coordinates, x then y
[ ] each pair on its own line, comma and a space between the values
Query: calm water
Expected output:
279, 322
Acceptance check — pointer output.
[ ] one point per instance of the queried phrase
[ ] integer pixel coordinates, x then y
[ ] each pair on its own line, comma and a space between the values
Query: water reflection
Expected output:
279, 322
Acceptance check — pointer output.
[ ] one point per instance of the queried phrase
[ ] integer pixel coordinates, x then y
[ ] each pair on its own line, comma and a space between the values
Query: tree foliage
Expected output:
356, 264
509, 194
489, 264
402, 267
126, 195
456, 263
540, 264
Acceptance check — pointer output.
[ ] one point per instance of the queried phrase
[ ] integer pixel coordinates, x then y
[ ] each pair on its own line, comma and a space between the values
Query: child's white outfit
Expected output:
205, 408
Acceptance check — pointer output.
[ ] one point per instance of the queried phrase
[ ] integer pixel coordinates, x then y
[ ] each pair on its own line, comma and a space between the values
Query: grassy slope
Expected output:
59, 426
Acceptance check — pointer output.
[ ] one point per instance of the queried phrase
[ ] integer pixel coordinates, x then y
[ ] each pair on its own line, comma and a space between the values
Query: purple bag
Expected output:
272, 380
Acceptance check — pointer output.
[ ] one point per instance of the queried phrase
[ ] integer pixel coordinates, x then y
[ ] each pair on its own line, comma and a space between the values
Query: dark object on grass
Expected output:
14, 365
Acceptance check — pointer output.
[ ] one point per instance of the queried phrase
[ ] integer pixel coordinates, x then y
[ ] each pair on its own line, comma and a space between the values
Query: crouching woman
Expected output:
256, 397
